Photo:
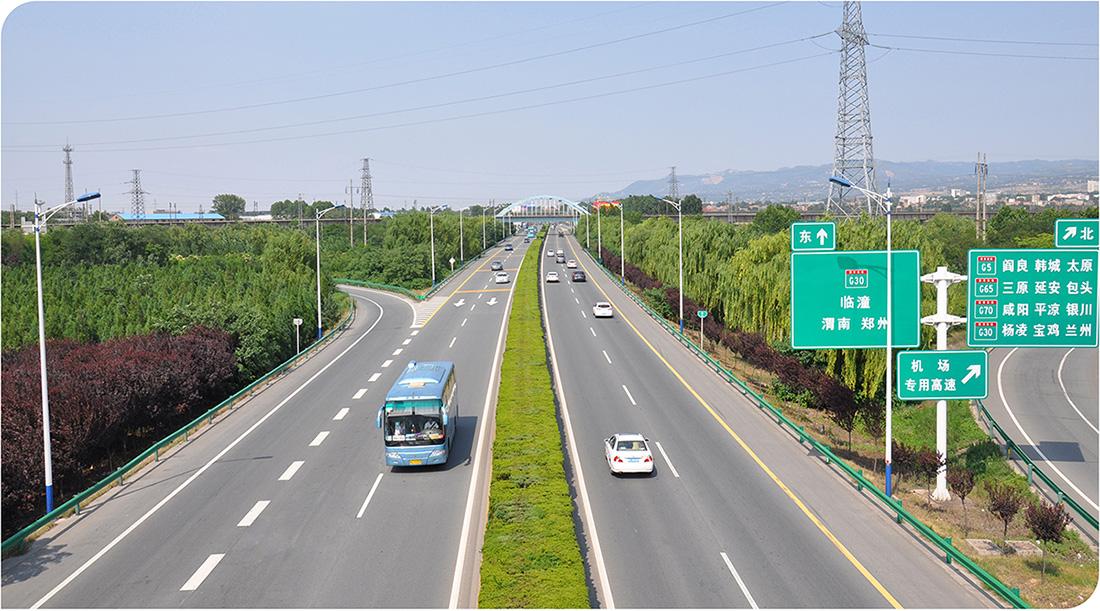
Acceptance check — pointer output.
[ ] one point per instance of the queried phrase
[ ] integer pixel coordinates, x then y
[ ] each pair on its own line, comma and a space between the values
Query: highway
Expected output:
1046, 400
286, 502
738, 514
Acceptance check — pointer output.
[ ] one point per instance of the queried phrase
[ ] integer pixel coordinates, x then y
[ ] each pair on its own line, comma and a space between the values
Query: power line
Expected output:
981, 53
460, 117
989, 40
455, 102
409, 81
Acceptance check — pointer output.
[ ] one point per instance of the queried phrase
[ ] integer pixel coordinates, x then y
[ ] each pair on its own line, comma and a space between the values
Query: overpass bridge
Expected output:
543, 209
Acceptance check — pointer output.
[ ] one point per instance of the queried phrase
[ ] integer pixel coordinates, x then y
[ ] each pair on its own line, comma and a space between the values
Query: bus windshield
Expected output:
413, 423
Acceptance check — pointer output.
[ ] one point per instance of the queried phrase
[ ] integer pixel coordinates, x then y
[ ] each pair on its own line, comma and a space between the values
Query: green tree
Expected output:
691, 204
774, 219
228, 205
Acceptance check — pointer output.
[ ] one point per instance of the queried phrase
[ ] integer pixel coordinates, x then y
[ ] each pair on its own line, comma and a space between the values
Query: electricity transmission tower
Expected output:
366, 195
137, 195
981, 169
853, 158
673, 186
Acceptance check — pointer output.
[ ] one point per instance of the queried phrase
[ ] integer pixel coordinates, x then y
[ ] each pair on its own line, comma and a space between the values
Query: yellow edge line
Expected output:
809, 514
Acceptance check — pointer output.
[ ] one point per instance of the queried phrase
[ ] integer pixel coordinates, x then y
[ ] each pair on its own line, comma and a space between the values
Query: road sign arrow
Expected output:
1071, 231
822, 235
492, 301
973, 371
460, 303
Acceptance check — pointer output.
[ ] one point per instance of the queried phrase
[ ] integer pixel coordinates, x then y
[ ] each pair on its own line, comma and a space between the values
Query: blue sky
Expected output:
95, 62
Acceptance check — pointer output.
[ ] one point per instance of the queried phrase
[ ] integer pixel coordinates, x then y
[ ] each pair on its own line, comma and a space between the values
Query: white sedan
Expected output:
571, 264
628, 453
602, 309
552, 277
501, 278
550, 252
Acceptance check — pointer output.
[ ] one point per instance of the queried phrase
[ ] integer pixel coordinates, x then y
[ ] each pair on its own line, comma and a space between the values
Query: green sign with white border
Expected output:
807, 237
838, 299
1077, 233
942, 374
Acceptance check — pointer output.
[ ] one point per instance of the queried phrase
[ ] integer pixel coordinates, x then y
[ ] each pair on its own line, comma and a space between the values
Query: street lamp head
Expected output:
840, 180
88, 197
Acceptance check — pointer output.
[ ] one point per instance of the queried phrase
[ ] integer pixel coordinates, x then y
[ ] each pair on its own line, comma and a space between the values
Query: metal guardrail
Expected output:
951, 553
1033, 470
19, 539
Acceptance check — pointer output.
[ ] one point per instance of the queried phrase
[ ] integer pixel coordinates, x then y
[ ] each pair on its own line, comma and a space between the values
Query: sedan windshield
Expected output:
627, 446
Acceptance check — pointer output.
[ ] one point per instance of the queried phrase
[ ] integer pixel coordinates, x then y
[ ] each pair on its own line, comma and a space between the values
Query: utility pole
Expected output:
299, 211
853, 158
68, 149
673, 186
729, 207
350, 190
367, 194
137, 196
981, 169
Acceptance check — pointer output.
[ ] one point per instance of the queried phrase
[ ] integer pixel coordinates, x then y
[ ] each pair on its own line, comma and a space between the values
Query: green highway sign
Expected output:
701, 313
838, 299
813, 236
942, 374
1038, 297
1077, 233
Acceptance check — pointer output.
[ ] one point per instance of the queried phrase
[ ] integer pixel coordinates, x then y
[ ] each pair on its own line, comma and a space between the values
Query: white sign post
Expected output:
452, 264
942, 279
297, 335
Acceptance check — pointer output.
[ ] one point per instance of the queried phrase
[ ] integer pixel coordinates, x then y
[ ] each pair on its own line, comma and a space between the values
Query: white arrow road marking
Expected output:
370, 494
202, 572
492, 301
374, 377
973, 371
291, 470
362, 391
740, 583
340, 414
319, 439
460, 303
253, 513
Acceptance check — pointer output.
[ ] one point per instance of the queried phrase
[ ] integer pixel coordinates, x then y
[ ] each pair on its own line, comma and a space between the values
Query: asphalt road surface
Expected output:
1046, 400
286, 502
738, 513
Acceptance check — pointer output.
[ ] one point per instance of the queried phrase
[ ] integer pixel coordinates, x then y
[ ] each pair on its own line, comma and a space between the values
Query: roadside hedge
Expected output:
531, 557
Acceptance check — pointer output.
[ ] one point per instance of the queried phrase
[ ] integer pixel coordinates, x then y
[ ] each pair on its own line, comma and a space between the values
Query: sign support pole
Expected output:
889, 353
942, 279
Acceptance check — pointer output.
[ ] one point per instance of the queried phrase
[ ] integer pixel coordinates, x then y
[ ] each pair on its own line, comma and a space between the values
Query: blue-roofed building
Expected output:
166, 217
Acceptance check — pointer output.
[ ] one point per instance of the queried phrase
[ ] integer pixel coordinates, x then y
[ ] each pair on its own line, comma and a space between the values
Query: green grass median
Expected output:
531, 558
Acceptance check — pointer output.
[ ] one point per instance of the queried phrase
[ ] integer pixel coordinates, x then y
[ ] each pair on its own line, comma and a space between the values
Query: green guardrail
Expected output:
951, 553
17, 541
393, 288
1033, 470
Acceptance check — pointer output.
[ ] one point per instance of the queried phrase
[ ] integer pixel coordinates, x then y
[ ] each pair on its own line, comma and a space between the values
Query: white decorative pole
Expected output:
941, 279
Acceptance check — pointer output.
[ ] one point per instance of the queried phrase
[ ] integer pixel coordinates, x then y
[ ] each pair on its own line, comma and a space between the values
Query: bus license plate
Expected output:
415, 462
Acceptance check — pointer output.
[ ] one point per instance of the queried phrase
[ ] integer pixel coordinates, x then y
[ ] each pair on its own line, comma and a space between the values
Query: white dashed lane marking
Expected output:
253, 513
291, 470
387, 363
319, 439
362, 391
202, 572
453, 339
340, 414
374, 377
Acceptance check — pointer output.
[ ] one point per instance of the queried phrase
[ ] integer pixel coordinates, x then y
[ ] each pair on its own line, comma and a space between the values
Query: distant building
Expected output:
1093, 186
912, 200
604, 204
959, 192
165, 217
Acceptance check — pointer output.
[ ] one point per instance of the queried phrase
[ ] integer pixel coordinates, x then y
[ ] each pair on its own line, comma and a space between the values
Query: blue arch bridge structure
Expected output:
539, 209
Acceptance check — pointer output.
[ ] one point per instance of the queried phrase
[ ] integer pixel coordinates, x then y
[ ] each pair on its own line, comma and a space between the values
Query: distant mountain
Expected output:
809, 182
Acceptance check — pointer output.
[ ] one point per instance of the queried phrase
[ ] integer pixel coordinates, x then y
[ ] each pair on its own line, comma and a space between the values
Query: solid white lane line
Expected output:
319, 439
583, 314
464, 322
675, 473
453, 340
340, 414
397, 352
253, 513
1066, 392
415, 332
593, 331
1034, 446
629, 396
387, 363
374, 377
467, 515
291, 470
740, 583
205, 466
370, 494
406, 342
201, 573
606, 357
362, 391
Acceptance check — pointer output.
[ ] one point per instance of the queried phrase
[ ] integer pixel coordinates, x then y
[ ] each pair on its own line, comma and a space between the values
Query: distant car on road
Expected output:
602, 309
526, 240
508, 246
496, 266
579, 277
628, 453
552, 276
560, 253
549, 252
571, 264
560, 259
502, 278
560, 234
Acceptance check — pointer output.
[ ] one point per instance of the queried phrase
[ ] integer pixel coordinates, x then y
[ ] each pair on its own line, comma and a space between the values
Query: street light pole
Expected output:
622, 246
317, 228
599, 235
680, 224
884, 203
483, 221
40, 219
431, 225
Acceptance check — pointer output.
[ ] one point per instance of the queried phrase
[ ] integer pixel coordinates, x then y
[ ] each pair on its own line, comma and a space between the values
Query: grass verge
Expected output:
531, 558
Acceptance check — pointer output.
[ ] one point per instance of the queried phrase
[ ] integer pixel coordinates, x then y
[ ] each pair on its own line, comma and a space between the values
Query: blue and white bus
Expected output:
420, 415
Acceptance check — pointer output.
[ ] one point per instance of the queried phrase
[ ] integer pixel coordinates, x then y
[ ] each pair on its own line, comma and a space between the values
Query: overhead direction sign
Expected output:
1077, 233
1038, 297
838, 299
942, 374
806, 237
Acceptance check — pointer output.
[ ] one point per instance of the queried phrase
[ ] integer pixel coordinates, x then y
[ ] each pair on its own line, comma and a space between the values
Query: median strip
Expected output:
530, 558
